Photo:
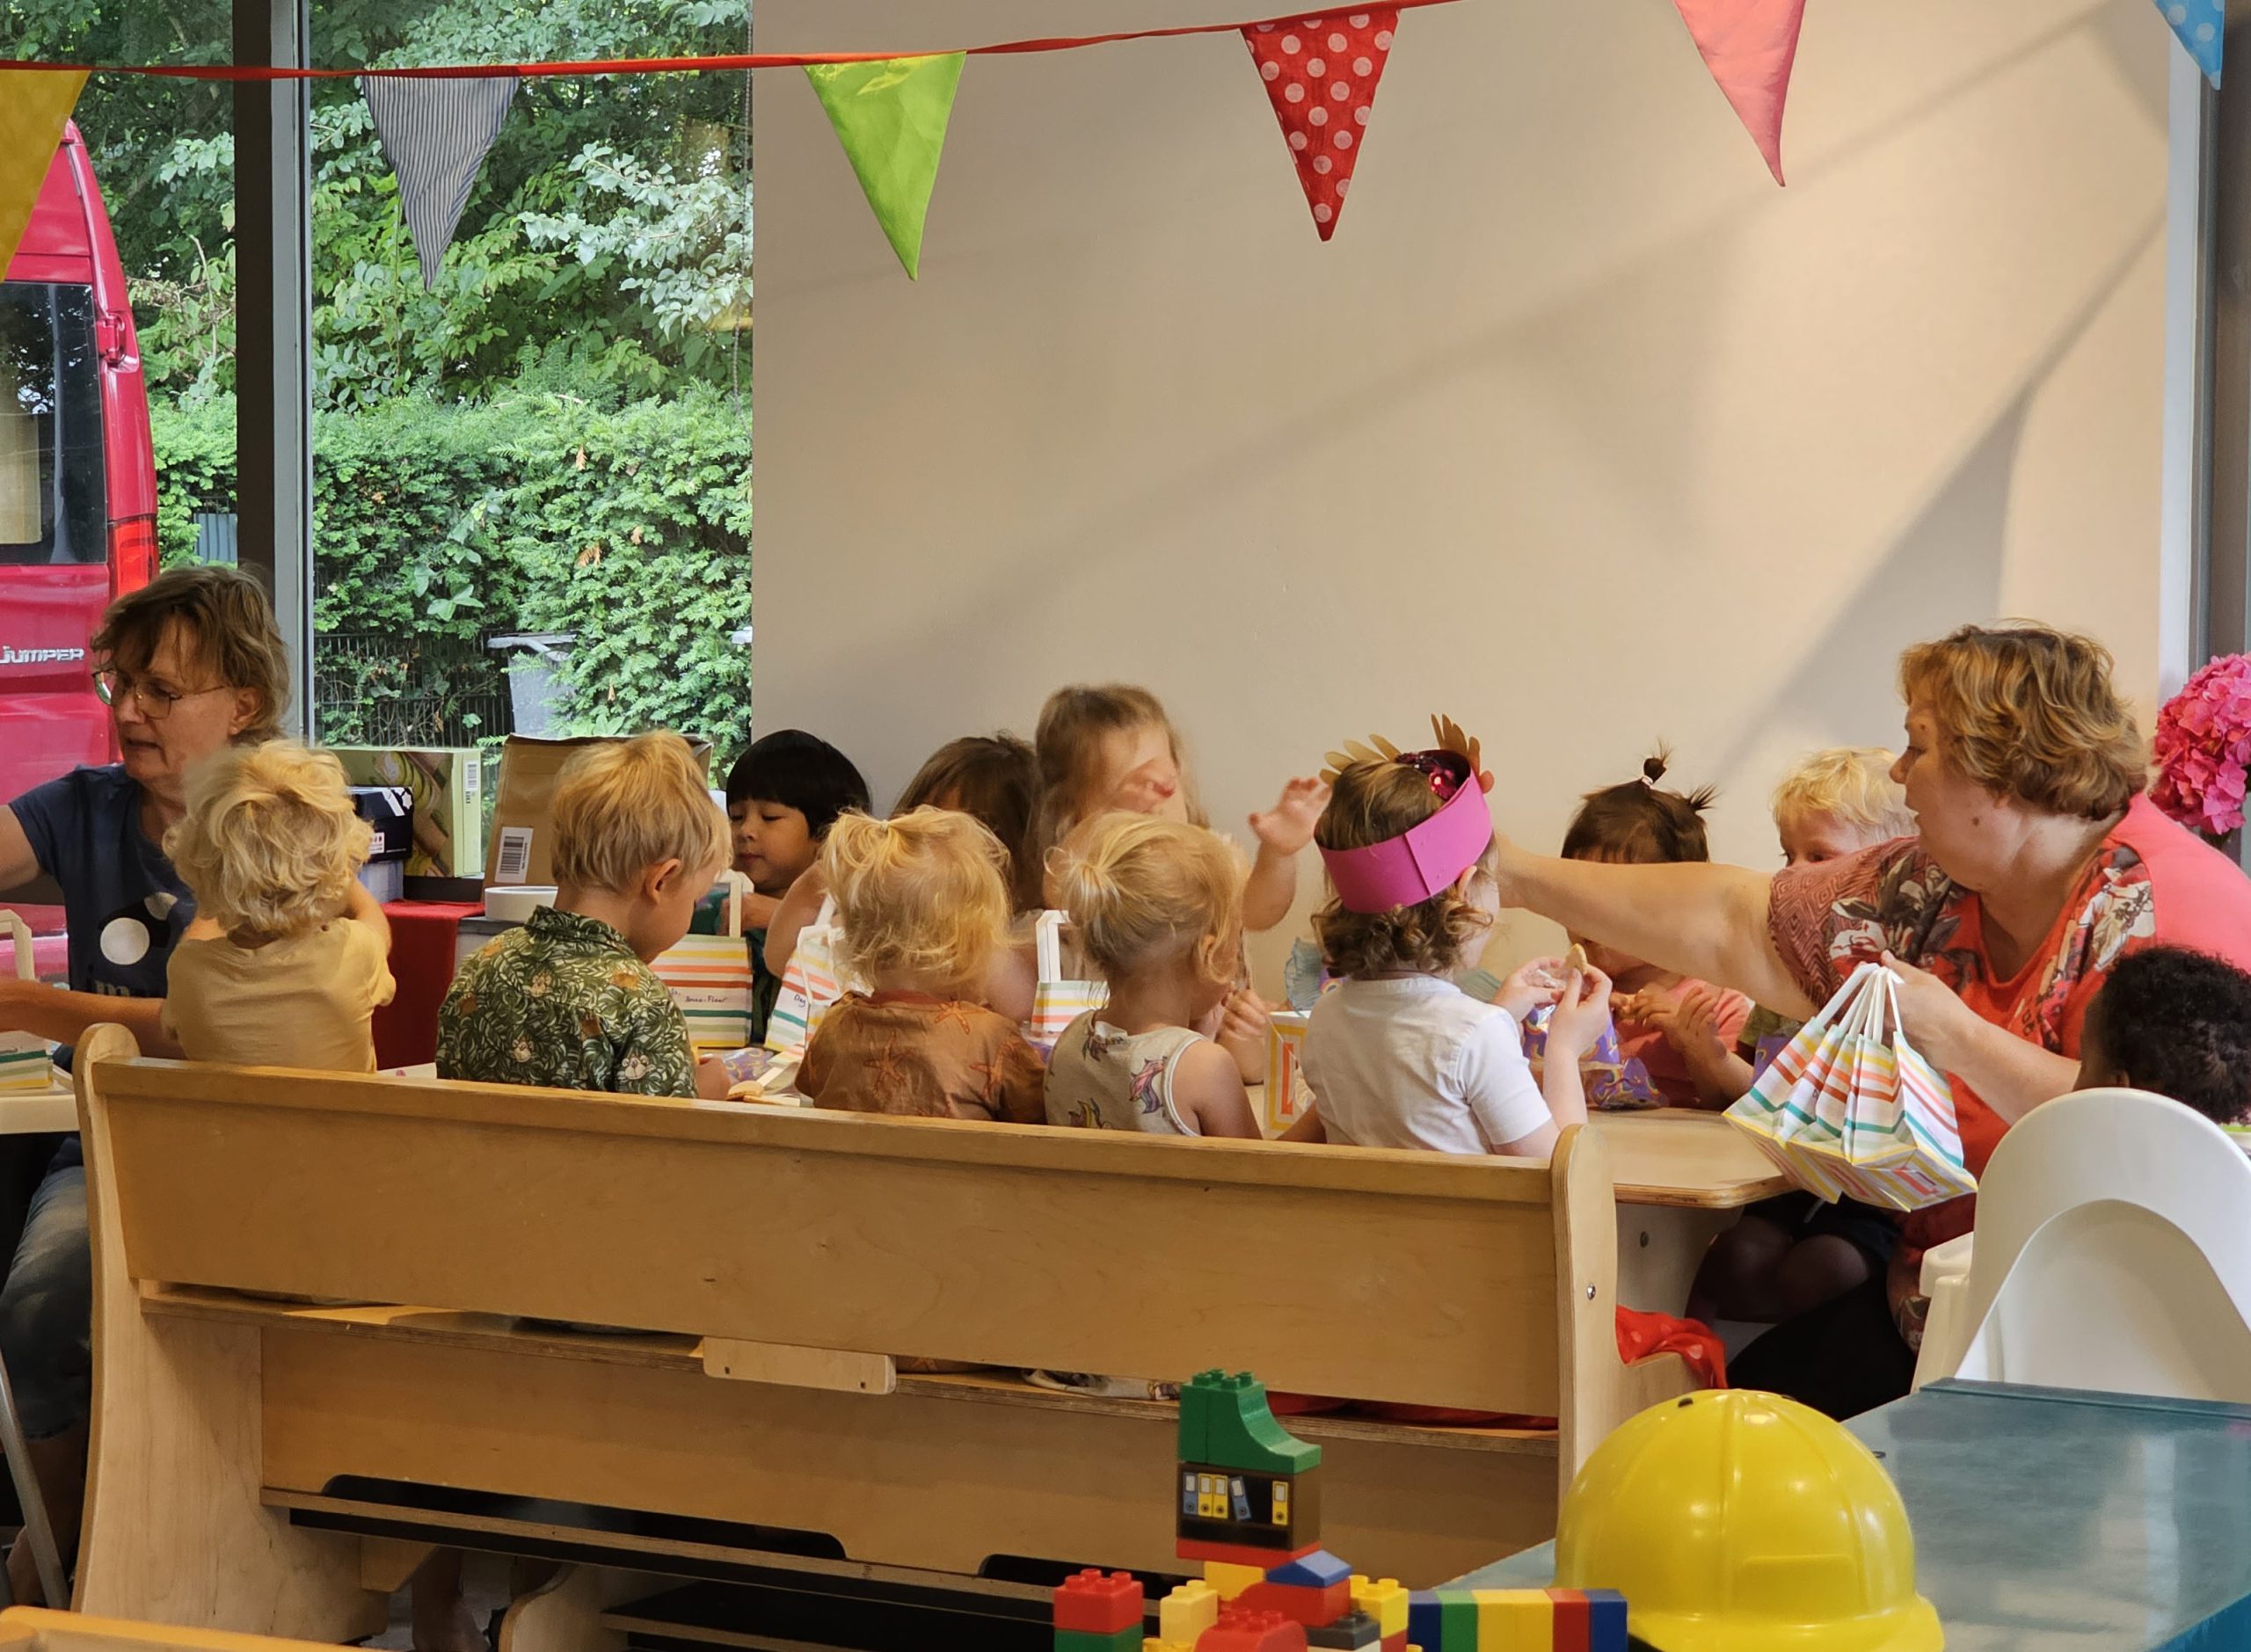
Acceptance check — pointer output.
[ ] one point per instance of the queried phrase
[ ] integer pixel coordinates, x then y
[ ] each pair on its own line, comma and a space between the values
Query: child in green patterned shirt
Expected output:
570, 1000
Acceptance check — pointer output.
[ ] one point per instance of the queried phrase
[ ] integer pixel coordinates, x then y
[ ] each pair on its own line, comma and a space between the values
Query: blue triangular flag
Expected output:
2202, 26
436, 134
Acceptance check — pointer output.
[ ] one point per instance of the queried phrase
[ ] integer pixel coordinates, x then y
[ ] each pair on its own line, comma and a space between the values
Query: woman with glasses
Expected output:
187, 666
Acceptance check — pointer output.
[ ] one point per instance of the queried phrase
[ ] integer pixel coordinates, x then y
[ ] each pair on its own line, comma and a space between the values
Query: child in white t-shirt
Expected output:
1398, 1056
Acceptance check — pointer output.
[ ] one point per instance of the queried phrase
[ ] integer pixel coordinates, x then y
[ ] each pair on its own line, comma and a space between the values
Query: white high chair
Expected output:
2113, 1253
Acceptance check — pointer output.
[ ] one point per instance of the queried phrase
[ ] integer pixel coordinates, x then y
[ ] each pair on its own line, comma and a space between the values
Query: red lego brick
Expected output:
1240, 1553
1096, 1605
1396, 1642
1312, 1607
1241, 1631
1570, 1630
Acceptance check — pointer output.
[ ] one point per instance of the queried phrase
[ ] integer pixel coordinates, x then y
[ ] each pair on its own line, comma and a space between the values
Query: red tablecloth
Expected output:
424, 936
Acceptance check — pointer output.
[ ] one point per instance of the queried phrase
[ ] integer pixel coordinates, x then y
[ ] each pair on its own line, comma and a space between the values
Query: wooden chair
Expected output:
261, 1466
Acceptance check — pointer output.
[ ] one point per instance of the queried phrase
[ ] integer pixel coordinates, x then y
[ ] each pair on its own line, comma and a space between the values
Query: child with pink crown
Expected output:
1396, 1055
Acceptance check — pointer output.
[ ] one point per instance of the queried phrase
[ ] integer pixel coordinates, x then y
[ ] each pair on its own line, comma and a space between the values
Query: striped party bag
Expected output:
1061, 997
1850, 1108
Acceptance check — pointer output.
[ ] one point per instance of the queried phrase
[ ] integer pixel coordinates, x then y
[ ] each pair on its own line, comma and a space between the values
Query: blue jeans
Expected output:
47, 1310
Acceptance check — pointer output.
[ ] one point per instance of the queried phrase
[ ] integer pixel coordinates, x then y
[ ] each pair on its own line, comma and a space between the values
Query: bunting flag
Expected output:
436, 134
1321, 75
2202, 26
1749, 46
34, 108
891, 117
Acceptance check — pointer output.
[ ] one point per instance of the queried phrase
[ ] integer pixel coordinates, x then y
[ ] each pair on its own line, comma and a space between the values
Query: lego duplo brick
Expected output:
1099, 1604
1225, 1421
1354, 1632
1383, 1600
1246, 1508
1308, 1606
1189, 1609
1240, 1631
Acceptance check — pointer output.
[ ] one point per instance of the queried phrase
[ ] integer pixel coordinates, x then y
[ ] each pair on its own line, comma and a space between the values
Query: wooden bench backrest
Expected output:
1387, 1276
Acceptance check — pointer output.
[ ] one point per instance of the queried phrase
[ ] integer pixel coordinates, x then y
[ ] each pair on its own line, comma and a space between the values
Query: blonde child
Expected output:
993, 778
1788, 1255
1397, 1055
1680, 1031
1158, 908
922, 909
287, 960
568, 999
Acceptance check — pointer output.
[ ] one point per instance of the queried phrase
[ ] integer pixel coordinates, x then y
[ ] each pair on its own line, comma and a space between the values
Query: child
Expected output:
922, 909
2177, 1022
1680, 1031
568, 999
1396, 1055
288, 957
1158, 907
1790, 1254
782, 794
1112, 748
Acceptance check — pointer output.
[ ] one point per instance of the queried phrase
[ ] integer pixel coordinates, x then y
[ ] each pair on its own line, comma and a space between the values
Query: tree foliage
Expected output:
554, 436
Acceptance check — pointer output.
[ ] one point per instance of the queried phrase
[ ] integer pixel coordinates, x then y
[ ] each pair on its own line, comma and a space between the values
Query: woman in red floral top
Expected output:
2039, 865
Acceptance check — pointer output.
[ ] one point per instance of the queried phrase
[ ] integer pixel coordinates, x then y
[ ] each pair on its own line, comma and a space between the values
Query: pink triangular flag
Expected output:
1322, 73
1749, 46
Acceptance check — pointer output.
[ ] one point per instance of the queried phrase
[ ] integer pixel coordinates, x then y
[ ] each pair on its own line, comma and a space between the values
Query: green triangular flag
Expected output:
891, 118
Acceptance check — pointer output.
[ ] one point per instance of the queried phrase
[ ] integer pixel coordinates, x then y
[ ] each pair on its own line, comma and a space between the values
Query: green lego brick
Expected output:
1457, 1619
1126, 1640
1225, 1421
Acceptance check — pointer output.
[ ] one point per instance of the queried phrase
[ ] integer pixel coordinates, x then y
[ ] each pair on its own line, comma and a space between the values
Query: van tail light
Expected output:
132, 554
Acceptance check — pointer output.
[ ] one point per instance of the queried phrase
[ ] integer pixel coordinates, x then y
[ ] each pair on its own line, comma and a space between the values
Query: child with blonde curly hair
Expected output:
1397, 1055
1157, 905
922, 909
287, 960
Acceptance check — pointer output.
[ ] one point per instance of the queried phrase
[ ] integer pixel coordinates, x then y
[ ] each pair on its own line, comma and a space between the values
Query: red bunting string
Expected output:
667, 65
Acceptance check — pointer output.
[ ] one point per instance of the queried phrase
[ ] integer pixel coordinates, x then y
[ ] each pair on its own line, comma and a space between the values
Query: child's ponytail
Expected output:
1140, 890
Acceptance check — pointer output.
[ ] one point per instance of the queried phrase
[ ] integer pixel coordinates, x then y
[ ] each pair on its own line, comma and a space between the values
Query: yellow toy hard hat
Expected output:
1740, 1522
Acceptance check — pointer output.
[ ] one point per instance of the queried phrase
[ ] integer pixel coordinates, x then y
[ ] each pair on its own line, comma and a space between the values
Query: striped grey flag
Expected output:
436, 134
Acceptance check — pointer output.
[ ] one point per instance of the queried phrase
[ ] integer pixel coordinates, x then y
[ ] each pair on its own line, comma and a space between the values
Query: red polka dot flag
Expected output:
1321, 73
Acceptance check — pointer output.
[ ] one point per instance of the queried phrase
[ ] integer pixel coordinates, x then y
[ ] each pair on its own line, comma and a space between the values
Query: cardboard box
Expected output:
1287, 1094
448, 783
522, 848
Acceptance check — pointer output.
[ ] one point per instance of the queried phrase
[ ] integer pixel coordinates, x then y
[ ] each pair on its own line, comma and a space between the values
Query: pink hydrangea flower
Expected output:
2204, 746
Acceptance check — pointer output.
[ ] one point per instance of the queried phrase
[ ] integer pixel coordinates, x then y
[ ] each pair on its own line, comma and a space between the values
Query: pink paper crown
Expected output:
1429, 857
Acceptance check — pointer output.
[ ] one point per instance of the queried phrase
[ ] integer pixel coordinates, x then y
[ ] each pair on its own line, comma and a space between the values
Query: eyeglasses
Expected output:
111, 687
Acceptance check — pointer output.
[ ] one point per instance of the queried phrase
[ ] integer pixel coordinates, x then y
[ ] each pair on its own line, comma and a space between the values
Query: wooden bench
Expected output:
30, 1629
256, 1465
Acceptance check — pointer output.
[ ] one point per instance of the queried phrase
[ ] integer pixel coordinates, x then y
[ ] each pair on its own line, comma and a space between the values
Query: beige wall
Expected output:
1580, 429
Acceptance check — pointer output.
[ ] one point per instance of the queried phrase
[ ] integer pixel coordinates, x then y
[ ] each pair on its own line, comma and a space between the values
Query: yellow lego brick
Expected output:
1385, 1600
1515, 1620
1168, 1646
1230, 1579
1188, 1611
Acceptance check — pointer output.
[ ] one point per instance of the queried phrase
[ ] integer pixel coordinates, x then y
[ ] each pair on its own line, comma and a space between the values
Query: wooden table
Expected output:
38, 1112
2046, 1518
1681, 1177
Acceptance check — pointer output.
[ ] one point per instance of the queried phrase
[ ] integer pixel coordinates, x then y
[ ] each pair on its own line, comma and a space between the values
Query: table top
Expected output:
1675, 1156
2049, 1519
38, 1112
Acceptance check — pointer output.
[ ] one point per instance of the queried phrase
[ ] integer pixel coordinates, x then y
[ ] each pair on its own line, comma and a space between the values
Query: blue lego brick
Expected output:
1425, 1622
1605, 1620
1320, 1570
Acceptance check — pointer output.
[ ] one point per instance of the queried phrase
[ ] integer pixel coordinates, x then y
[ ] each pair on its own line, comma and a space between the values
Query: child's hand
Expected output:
1581, 1014
1287, 827
1534, 987
1690, 1023
1244, 1018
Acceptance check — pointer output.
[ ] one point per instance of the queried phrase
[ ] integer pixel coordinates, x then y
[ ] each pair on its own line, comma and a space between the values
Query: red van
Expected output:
77, 478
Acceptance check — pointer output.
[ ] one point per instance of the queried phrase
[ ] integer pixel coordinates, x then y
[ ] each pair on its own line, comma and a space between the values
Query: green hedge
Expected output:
627, 525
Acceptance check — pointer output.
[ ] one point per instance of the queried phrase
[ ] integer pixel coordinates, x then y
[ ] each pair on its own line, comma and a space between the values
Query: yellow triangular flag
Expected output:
36, 105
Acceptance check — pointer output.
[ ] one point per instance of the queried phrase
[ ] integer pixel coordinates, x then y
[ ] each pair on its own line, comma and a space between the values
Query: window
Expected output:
51, 459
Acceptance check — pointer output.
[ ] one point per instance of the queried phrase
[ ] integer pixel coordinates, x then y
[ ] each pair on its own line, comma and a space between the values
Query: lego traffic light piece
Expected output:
1188, 1611
1383, 1600
1225, 1421
1241, 1631
1094, 1604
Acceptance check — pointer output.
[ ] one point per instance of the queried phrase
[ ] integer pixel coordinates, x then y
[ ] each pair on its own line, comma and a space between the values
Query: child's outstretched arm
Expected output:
1208, 1094
1283, 832
1580, 1016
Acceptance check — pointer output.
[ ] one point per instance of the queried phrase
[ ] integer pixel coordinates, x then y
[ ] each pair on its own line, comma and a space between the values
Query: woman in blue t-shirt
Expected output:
187, 664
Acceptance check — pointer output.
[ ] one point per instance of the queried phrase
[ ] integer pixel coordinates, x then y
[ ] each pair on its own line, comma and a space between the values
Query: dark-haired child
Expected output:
1682, 1032
783, 794
2176, 1023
